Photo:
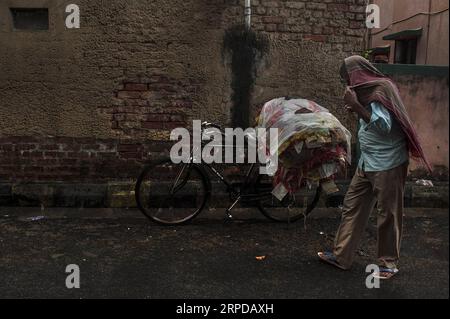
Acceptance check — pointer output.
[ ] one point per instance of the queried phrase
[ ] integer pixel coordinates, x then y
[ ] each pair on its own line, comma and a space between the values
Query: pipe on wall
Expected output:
248, 14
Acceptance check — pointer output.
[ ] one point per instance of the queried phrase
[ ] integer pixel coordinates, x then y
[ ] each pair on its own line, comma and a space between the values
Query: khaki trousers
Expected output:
366, 190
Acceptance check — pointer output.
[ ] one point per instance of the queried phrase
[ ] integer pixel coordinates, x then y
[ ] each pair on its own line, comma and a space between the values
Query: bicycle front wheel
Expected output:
292, 208
171, 194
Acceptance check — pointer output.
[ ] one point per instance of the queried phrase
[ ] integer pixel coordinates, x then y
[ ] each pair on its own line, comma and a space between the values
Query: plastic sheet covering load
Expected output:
313, 145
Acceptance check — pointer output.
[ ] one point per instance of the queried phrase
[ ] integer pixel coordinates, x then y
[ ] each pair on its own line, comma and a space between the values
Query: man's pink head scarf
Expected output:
373, 86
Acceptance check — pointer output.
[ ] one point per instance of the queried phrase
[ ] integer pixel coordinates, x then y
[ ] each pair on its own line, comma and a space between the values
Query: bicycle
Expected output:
174, 194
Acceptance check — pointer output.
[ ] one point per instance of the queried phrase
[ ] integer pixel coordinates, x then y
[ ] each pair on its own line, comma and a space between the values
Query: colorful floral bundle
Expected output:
313, 145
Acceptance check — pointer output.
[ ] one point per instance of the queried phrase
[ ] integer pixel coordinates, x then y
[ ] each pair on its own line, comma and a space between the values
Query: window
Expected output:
30, 18
405, 45
406, 51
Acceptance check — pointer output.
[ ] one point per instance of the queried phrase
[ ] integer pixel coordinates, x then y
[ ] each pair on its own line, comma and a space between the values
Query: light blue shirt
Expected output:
382, 141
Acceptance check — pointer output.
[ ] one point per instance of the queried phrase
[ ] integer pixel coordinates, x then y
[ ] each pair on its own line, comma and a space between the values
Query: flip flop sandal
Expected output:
385, 273
330, 258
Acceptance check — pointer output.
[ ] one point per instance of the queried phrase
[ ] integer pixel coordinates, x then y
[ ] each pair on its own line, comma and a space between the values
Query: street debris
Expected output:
36, 218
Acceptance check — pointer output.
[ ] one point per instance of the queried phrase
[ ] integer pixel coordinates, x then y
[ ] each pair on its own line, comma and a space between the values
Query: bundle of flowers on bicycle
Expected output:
313, 146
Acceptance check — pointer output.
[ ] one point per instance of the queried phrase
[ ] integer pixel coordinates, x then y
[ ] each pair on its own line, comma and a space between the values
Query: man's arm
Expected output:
376, 116
353, 104
381, 119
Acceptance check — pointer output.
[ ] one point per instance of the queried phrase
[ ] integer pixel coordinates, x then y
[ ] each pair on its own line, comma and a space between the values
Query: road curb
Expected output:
121, 195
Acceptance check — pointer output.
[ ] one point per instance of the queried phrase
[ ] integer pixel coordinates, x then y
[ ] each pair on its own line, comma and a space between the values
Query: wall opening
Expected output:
30, 18
406, 51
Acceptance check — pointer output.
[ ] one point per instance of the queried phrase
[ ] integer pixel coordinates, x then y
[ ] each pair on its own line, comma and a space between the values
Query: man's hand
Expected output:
349, 109
351, 100
353, 105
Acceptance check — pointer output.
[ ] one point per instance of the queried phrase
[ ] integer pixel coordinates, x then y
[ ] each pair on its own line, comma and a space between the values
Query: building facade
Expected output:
411, 32
92, 104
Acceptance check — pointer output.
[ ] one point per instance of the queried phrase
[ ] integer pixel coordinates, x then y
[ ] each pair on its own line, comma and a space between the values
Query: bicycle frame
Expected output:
253, 190
230, 187
237, 194
225, 181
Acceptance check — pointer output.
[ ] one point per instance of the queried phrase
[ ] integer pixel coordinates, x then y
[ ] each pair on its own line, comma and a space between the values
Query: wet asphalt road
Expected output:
128, 257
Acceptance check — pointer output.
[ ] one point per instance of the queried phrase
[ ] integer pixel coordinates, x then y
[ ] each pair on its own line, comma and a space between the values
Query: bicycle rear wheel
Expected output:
292, 208
171, 194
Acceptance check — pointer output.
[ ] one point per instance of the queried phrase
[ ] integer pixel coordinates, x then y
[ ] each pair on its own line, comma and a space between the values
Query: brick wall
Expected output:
338, 23
91, 104
74, 159
154, 103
